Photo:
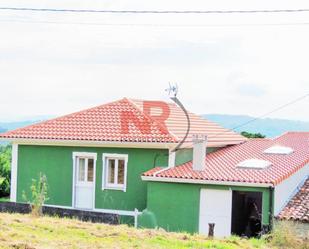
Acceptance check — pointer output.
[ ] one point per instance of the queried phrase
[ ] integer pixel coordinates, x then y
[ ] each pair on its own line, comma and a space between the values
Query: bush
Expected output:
5, 170
285, 236
38, 195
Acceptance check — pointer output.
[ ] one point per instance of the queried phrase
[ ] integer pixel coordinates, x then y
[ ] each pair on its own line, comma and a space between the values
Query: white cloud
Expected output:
53, 69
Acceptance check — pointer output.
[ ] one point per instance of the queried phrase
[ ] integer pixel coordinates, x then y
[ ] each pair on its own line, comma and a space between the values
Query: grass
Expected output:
286, 236
24, 231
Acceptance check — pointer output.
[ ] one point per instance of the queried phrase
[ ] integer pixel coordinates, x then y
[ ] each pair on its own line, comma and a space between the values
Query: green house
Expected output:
120, 158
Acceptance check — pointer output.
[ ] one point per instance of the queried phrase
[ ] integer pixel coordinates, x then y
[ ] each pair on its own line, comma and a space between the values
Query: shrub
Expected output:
285, 236
38, 195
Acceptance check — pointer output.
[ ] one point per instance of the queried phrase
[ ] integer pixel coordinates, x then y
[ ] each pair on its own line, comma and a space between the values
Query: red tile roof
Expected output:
298, 207
102, 123
106, 122
177, 125
222, 164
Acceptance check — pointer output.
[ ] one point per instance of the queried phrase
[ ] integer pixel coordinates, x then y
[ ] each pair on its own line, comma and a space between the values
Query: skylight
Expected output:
280, 150
254, 164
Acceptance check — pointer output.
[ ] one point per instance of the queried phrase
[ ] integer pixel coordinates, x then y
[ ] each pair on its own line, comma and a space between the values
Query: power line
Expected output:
156, 11
271, 112
259, 117
160, 25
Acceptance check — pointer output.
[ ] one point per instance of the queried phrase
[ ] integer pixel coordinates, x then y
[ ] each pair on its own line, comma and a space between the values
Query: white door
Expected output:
216, 207
84, 182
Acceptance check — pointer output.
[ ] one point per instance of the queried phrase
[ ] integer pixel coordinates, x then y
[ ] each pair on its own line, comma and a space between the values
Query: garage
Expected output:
215, 211
246, 213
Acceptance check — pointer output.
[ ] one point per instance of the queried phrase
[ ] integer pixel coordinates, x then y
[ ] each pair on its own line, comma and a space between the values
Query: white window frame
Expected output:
105, 184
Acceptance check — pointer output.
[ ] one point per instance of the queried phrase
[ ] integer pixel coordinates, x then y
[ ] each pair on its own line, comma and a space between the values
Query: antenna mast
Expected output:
173, 91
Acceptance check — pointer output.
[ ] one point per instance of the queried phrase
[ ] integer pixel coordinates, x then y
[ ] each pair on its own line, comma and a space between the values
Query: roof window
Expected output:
279, 150
254, 164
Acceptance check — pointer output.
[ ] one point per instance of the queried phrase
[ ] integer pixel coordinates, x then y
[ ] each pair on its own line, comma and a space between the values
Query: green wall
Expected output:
176, 205
57, 164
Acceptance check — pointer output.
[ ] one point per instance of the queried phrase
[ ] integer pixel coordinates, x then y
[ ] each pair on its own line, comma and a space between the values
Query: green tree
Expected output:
5, 170
252, 135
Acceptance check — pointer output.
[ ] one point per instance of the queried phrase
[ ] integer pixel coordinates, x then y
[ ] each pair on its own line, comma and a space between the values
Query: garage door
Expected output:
215, 207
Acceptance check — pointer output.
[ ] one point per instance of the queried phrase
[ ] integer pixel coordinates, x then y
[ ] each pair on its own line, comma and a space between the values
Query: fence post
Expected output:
135, 217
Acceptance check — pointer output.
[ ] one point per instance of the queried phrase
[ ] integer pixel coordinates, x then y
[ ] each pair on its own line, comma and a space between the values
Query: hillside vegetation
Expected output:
271, 127
24, 231
5, 170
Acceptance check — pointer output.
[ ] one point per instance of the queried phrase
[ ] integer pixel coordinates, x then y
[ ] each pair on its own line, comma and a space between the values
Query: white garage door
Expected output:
216, 207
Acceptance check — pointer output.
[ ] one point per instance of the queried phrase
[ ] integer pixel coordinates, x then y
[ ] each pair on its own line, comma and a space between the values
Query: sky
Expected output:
57, 63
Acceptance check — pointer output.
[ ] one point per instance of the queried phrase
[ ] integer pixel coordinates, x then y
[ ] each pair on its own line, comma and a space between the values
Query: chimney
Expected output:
199, 151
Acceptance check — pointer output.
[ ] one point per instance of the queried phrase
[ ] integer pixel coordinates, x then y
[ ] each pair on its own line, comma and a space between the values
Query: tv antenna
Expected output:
172, 89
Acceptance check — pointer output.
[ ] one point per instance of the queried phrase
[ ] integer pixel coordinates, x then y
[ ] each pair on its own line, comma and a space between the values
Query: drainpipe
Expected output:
271, 203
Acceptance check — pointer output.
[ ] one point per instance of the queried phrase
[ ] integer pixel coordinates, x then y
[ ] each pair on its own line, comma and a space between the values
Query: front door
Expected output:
84, 183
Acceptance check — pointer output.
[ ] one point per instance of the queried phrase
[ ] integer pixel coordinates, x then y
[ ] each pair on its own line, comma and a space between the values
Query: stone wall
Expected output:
13, 207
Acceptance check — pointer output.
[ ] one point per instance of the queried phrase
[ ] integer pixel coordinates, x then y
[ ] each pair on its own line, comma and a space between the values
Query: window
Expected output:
85, 169
90, 170
81, 169
114, 171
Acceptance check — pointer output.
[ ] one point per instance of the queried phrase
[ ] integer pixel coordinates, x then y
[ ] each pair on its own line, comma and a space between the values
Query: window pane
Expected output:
90, 170
111, 171
121, 172
81, 169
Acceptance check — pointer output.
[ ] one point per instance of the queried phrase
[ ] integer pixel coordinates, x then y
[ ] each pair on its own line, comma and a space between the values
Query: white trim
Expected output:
171, 158
85, 155
81, 143
208, 182
105, 185
73, 181
14, 167
99, 210
94, 180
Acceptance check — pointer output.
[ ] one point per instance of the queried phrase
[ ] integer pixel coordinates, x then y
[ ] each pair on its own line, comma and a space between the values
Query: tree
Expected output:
5, 170
252, 135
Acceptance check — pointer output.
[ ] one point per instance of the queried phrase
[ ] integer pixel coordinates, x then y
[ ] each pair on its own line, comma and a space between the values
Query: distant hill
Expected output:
7, 126
267, 126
